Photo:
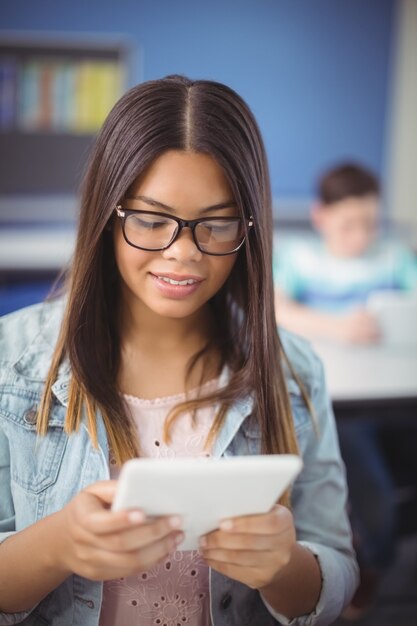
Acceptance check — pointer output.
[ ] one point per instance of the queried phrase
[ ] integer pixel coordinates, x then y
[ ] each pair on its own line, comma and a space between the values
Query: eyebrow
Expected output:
160, 205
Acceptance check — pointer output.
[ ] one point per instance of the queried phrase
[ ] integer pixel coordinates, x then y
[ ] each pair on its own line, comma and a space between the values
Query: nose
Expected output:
183, 249
361, 239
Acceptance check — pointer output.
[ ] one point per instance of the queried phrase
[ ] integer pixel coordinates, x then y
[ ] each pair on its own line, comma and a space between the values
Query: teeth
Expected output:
188, 281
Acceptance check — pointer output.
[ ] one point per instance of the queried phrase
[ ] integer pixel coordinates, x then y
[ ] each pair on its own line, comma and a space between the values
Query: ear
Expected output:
317, 215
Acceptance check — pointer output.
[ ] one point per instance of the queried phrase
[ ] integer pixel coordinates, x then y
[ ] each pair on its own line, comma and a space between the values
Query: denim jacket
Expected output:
39, 475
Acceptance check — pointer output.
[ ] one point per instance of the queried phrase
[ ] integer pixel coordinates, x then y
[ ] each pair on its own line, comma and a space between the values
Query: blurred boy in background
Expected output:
323, 283
322, 286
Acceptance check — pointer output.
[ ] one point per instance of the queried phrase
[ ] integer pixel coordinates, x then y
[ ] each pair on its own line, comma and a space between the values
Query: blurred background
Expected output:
327, 80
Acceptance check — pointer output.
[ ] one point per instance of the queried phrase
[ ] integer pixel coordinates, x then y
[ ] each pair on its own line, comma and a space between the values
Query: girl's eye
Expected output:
143, 223
221, 228
147, 223
213, 226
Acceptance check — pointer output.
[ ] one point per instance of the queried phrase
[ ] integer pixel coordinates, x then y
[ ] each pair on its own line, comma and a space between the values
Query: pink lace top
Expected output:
174, 592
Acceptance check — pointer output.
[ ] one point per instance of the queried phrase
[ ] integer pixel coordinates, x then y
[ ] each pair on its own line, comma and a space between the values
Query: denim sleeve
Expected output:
319, 500
6, 504
7, 517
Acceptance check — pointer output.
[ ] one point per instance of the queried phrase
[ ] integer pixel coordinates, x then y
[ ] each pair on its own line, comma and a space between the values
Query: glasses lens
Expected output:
149, 231
219, 236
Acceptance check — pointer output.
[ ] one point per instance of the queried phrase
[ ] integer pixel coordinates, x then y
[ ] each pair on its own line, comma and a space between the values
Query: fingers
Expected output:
101, 564
271, 523
137, 536
251, 548
103, 489
103, 522
238, 541
100, 522
243, 558
247, 549
154, 552
106, 544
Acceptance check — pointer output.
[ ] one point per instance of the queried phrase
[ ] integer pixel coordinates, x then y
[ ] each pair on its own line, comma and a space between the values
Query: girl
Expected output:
165, 344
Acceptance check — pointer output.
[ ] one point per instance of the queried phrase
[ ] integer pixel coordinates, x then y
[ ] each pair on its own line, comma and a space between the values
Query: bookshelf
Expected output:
55, 92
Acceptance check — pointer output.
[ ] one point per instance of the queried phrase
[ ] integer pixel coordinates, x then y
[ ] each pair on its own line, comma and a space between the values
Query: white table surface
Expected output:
368, 373
352, 372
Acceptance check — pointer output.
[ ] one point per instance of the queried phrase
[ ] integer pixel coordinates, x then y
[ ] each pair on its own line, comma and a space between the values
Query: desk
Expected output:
370, 376
380, 384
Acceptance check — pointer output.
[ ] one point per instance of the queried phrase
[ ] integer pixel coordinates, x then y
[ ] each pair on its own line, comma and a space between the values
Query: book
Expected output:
8, 90
29, 96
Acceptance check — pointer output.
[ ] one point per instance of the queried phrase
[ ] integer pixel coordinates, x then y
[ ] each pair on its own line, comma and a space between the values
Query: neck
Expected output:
335, 251
156, 351
142, 329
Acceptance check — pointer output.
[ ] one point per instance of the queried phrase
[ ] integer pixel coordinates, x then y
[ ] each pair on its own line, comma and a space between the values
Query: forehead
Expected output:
180, 177
355, 209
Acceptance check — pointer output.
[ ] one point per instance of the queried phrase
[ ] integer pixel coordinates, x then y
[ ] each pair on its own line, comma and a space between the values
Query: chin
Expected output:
357, 252
174, 312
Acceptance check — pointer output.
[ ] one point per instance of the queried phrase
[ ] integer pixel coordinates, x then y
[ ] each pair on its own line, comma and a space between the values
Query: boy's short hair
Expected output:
345, 181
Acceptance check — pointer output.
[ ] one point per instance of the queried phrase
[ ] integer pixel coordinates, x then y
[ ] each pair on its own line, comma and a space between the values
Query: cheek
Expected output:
332, 230
344, 233
223, 268
121, 253
128, 259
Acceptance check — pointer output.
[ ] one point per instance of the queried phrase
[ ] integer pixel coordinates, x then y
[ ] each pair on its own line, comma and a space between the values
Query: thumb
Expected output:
103, 490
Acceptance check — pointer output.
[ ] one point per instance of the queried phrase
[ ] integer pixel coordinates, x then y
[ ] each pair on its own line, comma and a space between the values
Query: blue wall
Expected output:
316, 73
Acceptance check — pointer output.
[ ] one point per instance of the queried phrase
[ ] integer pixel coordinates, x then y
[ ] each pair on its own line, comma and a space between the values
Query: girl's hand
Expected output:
251, 549
101, 544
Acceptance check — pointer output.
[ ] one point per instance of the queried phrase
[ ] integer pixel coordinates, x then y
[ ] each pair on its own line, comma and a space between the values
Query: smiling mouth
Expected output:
171, 281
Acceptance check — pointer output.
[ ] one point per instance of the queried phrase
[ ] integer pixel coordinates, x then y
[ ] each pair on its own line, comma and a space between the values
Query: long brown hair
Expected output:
174, 113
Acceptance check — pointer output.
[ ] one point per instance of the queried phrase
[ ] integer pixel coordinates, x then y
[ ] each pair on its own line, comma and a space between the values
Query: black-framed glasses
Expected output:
152, 231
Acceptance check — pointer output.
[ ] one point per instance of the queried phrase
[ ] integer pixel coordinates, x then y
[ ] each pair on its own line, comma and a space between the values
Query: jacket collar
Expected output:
34, 363
235, 416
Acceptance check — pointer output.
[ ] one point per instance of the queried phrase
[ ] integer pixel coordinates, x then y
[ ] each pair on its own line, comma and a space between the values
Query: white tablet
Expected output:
396, 313
204, 490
